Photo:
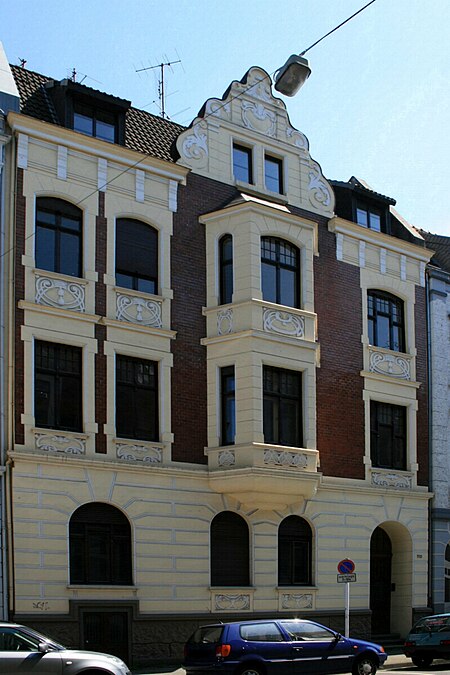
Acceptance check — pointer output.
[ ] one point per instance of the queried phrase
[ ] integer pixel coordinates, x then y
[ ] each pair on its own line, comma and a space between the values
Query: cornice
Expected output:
94, 146
379, 239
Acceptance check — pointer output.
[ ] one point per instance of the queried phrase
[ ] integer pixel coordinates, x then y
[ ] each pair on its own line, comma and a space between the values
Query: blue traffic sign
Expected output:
346, 566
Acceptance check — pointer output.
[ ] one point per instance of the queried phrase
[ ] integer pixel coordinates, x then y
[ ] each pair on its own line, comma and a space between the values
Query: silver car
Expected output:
24, 651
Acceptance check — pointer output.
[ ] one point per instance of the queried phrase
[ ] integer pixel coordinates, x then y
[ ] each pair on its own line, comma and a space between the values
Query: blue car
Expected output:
429, 639
276, 647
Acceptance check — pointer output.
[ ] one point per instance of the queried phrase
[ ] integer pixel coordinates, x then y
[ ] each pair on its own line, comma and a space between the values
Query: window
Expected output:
261, 632
368, 217
57, 389
294, 552
282, 410
58, 236
386, 322
229, 550
242, 163
226, 269
447, 573
228, 405
388, 435
280, 272
100, 545
307, 631
273, 174
94, 122
136, 255
137, 398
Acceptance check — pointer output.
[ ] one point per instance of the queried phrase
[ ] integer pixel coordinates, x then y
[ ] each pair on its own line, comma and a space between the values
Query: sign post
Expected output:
346, 569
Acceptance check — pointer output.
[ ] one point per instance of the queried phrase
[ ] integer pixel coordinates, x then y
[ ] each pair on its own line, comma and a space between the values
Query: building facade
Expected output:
9, 101
220, 376
439, 312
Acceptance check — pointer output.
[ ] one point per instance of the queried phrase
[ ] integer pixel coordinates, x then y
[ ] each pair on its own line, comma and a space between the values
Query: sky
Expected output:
376, 106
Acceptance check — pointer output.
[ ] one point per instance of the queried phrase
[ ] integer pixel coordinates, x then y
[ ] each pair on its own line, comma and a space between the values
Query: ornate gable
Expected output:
250, 115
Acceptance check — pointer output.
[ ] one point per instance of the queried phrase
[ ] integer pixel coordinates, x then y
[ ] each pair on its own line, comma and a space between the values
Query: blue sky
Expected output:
376, 106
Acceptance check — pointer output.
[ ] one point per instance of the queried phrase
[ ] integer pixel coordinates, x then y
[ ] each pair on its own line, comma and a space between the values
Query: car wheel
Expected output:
251, 670
422, 660
365, 665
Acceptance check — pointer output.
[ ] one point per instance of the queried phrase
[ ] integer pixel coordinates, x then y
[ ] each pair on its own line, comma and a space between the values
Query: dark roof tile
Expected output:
144, 132
441, 246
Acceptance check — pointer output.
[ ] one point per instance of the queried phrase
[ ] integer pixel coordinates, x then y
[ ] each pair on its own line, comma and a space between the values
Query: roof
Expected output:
361, 186
441, 246
144, 132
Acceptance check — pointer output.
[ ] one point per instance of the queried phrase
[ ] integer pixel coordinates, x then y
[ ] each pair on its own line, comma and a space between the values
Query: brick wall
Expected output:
422, 377
19, 314
340, 408
100, 331
188, 266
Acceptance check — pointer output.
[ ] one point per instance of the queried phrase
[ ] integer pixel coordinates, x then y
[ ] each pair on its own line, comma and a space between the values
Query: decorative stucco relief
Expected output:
225, 322
139, 310
284, 323
296, 601
139, 453
60, 443
392, 480
283, 458
257, 117
319, 191
218, 108
195, 146
239, 601
58, 293
297, 138
390, 364
226, 458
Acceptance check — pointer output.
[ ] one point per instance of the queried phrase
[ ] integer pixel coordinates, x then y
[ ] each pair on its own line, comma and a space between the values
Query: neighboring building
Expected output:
439, 312
9, 100
220, 377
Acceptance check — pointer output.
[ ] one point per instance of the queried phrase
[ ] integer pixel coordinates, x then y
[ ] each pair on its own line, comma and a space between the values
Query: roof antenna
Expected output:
22, 62
73, 77
161, 92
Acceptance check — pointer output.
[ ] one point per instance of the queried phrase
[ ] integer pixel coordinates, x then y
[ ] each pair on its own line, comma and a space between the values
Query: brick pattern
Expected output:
100, 331
19, 382
422, 393
188, 266
340, 407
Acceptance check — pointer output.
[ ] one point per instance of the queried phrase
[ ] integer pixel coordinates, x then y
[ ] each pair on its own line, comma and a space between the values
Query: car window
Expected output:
432, 624
261, 632
14, 640
301, 630
207, 634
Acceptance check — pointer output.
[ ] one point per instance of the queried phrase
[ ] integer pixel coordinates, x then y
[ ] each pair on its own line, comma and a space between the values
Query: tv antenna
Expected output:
161, 92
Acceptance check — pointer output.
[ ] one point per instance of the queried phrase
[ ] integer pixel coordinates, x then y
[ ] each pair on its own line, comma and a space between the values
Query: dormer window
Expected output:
242, 163
368, 217
94, 122
88, 111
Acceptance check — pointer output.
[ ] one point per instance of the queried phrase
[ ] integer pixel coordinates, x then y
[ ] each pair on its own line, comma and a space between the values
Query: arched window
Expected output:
447, 573
58, 236
294, 552
136, 255
226, 269
386, 321
100, 545
229, 550
280, 272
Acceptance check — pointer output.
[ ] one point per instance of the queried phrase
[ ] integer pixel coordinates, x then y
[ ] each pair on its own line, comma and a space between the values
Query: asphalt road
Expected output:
395, 665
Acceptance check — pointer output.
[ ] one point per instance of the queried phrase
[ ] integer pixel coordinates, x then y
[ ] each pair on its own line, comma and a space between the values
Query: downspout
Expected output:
430, 440
4, 139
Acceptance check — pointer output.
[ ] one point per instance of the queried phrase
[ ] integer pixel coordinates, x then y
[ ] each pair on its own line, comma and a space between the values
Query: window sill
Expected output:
108, 587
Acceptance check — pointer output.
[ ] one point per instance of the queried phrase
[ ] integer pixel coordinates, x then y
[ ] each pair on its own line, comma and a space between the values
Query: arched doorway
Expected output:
380, 581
